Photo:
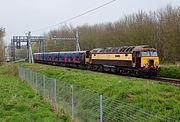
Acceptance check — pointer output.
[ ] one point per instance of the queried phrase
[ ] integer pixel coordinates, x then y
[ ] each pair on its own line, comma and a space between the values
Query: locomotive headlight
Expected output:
145, 65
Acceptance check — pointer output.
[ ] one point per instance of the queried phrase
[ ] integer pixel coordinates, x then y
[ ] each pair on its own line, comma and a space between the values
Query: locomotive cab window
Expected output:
153, 53
148, 53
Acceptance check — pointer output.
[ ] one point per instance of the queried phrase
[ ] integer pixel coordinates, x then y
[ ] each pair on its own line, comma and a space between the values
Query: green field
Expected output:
171, 71
160, 98
18, 103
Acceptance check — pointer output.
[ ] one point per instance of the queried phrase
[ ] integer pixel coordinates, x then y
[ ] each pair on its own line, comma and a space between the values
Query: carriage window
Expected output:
77, 56
126, 54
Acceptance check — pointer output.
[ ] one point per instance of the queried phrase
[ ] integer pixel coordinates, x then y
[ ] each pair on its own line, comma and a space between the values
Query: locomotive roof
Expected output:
124, 49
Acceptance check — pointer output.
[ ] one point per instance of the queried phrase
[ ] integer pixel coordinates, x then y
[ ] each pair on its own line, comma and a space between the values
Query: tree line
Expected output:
160, 29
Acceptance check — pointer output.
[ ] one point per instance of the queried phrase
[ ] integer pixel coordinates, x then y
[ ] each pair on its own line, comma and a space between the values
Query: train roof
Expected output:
61, 52
123, 49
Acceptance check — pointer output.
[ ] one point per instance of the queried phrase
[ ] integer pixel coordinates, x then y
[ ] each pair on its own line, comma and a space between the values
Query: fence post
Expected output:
30, 76
25, 76
44, 86
72, 95
36, 82
55, 91
23, 73
101, 108
19, 72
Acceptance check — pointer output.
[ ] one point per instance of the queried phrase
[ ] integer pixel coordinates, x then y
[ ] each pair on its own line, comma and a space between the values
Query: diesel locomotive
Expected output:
140, 60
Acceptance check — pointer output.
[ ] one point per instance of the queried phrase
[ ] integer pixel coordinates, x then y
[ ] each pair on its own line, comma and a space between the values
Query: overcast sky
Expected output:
19, 16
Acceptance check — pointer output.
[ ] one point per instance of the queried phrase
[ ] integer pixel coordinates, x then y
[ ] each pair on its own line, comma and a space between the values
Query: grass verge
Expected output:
18, 103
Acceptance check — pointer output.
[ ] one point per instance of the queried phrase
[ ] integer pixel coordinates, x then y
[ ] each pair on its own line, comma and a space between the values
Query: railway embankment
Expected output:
157, 97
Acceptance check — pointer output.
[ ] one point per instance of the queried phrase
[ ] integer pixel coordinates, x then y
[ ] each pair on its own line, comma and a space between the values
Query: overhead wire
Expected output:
77, 16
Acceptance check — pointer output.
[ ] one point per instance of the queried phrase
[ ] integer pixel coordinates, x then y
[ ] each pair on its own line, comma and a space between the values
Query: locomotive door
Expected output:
87, 57
136, 59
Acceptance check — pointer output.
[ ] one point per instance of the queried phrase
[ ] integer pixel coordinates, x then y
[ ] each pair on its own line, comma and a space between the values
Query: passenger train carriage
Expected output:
135, 60
67, 58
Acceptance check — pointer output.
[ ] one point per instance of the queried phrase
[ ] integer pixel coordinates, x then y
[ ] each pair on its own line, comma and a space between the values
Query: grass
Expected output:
160, 98
171, 71
18, 103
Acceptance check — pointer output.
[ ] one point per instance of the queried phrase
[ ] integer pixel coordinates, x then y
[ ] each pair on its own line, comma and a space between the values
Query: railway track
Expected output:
172, 81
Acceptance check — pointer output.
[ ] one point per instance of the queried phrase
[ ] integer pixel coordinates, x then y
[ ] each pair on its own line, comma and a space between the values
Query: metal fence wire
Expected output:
84, 105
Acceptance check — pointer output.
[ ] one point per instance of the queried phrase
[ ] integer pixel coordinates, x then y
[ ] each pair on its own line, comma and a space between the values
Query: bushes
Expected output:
171, 71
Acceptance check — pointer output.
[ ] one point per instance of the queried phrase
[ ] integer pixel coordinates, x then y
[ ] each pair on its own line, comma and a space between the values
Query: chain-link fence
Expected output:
84, 105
